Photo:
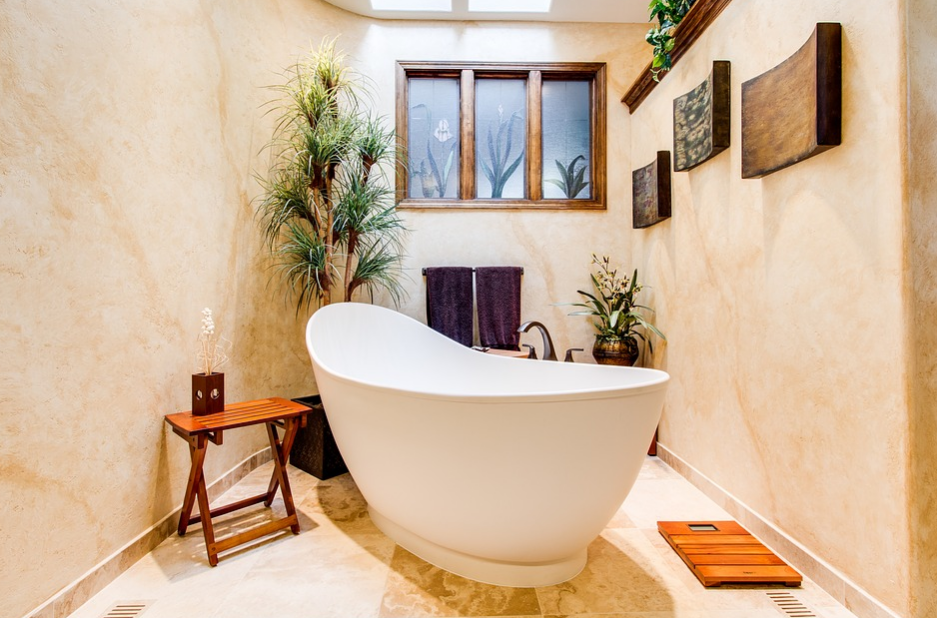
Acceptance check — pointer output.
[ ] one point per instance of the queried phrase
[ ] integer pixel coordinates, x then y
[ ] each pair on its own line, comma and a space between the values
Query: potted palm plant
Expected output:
617, 320
326, 210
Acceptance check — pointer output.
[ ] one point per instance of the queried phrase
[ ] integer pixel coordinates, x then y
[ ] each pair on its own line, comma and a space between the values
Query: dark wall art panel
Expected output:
701, 120
794, 111
650, 192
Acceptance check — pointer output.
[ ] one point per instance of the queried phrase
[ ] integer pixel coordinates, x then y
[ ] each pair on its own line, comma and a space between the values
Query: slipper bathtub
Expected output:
501, 470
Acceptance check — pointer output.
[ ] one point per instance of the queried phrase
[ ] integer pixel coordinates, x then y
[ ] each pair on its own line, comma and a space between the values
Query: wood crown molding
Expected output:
700, 16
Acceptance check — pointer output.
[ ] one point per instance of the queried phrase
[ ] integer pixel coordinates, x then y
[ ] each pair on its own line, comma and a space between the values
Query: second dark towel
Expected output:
449, 302
498, 290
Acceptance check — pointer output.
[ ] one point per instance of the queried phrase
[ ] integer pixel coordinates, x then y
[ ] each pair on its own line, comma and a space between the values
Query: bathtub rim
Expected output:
542, 397
656, 378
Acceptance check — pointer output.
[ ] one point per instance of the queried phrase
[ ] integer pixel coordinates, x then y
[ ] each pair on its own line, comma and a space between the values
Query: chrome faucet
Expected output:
548, 353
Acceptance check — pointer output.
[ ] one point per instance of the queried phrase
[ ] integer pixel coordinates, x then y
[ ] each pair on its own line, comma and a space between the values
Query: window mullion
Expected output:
467, 135
534, 137
403, 123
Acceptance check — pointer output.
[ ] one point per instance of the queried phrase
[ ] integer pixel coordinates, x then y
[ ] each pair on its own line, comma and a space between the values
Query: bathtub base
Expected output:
499, 573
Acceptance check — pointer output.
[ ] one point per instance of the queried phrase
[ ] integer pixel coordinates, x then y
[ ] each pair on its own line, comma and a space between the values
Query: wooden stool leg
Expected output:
285, 447
205, 517
275, 447
280, 453
197, 448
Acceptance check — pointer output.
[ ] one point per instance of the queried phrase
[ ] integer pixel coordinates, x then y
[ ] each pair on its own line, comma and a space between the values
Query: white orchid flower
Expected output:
442, 131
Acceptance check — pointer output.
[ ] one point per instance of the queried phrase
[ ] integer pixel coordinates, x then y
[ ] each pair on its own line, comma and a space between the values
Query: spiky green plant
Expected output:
571, 181
326, 211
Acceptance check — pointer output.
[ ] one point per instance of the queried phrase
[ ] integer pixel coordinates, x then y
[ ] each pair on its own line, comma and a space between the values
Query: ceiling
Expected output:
609, 11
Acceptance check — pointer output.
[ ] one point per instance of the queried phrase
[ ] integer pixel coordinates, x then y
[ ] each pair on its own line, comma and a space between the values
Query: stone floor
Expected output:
342, 566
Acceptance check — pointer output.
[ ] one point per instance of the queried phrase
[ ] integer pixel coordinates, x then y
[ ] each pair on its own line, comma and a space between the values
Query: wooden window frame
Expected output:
467, 73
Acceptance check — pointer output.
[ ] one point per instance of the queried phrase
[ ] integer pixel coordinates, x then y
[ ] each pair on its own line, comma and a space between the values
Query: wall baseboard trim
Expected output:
837, 585
77, 593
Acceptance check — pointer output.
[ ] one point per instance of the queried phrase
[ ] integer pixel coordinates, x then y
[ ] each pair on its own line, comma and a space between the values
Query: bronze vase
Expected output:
622, 352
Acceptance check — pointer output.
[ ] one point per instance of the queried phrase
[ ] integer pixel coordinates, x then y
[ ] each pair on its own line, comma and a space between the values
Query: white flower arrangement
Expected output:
212, 352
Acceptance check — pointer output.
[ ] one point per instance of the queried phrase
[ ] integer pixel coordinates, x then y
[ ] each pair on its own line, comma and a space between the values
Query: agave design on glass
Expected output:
433, 178
499, 153
571, 181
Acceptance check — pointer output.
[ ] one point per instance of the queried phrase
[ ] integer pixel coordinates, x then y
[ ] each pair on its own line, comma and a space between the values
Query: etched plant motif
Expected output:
571, 181
498, 171
434, 180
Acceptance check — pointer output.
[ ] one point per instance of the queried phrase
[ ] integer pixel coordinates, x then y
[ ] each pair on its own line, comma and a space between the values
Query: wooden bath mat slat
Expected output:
726, 554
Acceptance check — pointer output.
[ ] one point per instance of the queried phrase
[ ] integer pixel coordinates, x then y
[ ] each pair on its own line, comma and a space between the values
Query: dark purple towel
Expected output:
449, 302
498, 289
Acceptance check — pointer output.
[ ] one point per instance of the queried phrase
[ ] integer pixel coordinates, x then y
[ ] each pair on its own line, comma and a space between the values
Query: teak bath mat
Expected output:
723, 552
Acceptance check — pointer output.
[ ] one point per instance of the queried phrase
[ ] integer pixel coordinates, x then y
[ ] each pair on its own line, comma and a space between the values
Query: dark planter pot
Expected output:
314, 450
615, 351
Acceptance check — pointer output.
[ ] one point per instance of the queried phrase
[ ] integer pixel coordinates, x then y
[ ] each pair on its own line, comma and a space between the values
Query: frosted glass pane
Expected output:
566, 137
433, 138
500, 138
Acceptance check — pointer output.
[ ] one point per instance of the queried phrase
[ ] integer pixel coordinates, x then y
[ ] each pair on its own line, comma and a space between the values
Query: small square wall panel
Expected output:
650, 192
794, 111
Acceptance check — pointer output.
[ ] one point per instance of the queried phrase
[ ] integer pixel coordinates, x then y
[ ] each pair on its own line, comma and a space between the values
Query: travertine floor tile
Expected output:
621, 575
326, 576
656, 470
417, 588
680, 614
668, 500
338, 506
341, 566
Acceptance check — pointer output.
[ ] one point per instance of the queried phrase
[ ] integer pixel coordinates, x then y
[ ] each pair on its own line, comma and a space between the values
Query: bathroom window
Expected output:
501, 136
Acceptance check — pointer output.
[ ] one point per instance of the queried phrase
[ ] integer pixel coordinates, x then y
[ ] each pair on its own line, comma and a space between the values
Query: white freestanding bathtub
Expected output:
498, 469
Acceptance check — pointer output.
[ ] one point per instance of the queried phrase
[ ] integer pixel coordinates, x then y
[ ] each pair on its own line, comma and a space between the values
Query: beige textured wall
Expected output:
782, 298
128, 135
922, 262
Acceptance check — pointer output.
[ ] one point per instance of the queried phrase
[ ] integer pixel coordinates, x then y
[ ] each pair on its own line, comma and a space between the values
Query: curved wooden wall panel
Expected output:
702, 120
794, 111
650, 192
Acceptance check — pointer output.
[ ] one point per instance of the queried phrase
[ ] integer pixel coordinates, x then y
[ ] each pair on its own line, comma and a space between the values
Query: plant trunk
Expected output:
349, 258
327, 239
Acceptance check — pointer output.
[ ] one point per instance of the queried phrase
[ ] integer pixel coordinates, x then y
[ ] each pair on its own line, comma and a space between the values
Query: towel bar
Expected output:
473, 270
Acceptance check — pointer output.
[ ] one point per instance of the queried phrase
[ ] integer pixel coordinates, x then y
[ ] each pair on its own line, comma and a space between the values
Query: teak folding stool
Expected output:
275, 413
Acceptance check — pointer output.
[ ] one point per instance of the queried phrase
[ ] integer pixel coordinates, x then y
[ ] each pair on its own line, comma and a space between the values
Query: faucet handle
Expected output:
569, 354
533, 352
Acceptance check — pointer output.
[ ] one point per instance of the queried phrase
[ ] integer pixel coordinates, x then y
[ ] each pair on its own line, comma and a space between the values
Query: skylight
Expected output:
509, 6
411, 5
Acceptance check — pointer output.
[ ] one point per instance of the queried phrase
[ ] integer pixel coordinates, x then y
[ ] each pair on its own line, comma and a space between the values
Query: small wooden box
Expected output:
207, 393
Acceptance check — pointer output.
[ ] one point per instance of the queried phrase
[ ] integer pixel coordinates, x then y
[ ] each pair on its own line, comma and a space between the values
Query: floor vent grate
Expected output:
789, 604
127, 609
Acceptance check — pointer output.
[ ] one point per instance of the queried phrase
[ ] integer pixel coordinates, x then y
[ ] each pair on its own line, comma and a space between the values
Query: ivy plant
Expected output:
668, 13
